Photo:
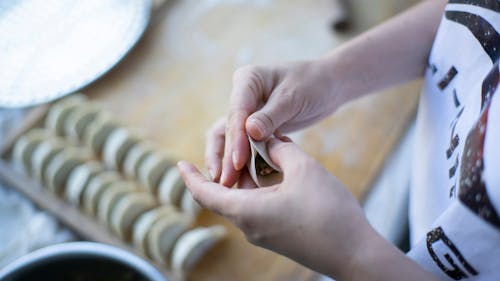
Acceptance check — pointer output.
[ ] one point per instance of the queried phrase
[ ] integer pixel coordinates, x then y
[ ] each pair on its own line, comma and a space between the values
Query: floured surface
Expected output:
177, 82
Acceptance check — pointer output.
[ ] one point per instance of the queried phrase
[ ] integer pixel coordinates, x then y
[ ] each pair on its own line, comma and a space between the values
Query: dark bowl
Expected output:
80, 261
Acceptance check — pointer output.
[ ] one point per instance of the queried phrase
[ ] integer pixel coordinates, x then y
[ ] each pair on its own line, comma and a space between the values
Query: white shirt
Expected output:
455, 193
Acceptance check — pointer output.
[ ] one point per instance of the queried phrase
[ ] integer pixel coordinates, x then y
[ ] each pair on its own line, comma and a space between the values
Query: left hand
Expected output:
310, 216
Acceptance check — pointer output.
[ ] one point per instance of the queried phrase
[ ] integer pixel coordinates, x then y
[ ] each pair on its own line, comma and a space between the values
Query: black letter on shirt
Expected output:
455, 271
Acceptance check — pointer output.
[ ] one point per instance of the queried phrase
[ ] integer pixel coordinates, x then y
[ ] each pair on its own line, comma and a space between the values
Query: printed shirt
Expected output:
455, 189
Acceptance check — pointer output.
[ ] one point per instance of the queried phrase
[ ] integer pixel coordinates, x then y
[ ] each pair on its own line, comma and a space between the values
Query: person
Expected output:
310, 216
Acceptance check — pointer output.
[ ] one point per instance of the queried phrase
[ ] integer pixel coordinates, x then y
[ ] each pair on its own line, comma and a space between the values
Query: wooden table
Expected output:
177, 81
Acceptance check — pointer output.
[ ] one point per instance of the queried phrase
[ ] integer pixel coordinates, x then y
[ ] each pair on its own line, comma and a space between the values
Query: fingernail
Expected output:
223, 178
236, 160
285, 139
259, 133
181, 164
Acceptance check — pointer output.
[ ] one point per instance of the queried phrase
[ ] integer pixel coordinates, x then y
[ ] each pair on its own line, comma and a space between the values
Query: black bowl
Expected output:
80, 261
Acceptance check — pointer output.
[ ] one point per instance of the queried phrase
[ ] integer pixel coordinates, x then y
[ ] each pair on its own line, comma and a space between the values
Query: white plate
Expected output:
54, 47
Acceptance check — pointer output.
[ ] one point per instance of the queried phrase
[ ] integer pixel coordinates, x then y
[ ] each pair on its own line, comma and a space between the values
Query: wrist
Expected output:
346, 81
364, 241
377, 259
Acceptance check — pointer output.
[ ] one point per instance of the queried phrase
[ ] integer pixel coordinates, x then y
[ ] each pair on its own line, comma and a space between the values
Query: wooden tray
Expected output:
88, 228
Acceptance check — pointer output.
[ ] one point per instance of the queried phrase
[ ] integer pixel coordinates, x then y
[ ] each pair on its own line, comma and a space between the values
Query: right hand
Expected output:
265, 100
309, 216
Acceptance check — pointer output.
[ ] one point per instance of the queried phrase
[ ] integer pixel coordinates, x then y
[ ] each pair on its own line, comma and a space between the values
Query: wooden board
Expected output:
177, 82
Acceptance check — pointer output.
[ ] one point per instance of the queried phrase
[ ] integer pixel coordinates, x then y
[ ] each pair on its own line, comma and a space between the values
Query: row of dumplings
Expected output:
118, 148
85, 157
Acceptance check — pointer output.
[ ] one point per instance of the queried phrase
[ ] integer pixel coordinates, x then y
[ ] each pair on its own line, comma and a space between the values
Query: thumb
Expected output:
284, 153
278, 110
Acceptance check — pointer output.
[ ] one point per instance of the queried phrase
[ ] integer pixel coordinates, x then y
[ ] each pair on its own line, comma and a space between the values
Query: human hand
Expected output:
264, 100
309, 216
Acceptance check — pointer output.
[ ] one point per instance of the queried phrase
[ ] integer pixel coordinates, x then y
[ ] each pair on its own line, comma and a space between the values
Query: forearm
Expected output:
354, 252
378, 260
391, 53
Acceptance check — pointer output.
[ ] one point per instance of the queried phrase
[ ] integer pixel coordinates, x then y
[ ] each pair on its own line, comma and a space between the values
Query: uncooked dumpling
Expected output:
96, 186
58, 112
116, 147
24, 147
78, 120
189, 205
143, 224
193, 245
42, 155
262, 169
151, 169
163, 234
110, 196
79, 179
135, 156
61, 165
96, 133
171, 187
127, 209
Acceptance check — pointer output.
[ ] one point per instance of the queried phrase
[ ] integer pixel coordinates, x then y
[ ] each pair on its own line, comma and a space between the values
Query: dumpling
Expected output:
262, 169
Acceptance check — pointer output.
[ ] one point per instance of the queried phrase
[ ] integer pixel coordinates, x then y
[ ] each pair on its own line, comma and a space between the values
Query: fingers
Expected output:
281, 107
285, 153
245, 181
215, 197
250, 86
215, 149
208, 194
237, 148
247, 94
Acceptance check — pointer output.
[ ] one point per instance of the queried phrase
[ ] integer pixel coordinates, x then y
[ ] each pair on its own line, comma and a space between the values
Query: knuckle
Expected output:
305, 164
266, 120
283, 148
255, 237
196, 196
249, 225
235, 116
212, 158
244, 72
289, 98
246, 225
209, 134
208, 158
253, 79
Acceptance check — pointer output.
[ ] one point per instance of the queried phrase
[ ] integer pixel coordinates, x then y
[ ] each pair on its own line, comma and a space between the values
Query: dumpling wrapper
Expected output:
127, 209
164, 233
79, 179
143, 224
193, 245
259, 157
